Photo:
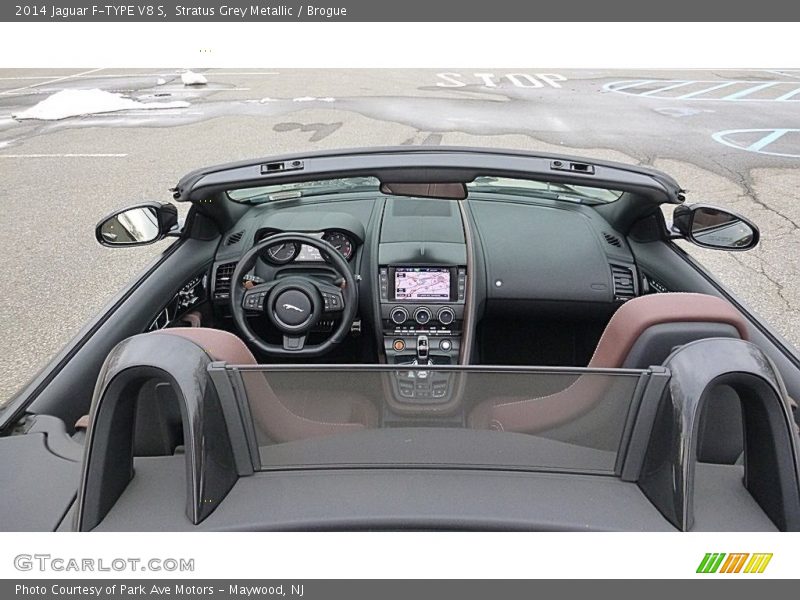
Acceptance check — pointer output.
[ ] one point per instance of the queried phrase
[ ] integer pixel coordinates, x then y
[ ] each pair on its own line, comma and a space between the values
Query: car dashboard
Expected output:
433, 273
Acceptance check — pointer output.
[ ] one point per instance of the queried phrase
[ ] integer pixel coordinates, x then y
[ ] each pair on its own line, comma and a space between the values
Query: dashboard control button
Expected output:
399, 315
422, 315
446, 316
446, 345
399, 345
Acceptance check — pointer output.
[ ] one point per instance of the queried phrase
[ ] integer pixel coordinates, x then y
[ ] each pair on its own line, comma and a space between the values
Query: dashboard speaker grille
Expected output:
234, 238
612, 240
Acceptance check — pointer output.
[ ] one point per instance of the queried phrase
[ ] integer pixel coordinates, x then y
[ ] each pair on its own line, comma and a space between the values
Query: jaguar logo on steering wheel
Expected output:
293, 307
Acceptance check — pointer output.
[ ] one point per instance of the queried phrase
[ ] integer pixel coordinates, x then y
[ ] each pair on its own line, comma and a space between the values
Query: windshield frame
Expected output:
527, 189
294, 190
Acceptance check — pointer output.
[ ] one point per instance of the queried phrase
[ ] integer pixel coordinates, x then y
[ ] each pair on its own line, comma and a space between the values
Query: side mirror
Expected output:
711, 227
137, 225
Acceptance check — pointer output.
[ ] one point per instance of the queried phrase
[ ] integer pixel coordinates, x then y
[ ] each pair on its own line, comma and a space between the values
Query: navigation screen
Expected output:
422, 283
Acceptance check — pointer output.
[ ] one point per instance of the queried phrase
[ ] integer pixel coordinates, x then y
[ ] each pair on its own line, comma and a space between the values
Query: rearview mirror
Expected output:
137, 225
711, 227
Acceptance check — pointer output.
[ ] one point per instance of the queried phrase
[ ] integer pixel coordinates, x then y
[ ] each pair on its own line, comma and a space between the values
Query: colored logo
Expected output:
719, 562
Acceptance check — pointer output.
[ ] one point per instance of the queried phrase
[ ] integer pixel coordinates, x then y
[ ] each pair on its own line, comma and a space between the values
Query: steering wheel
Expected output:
294, 304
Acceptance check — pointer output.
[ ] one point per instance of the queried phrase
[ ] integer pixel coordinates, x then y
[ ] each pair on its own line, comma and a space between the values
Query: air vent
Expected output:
234, 238
222, 281
612, 240
624, 287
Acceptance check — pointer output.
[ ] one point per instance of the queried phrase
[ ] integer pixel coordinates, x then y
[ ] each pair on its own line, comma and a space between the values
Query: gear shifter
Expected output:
422, 350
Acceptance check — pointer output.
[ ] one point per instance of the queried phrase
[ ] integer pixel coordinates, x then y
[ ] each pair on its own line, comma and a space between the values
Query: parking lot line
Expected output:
740, 139
705, 90
744, 90
26, 78
634, 84
767, 140
89, 75
243, 73
750, 90
788, 95
669, 87
67, 155
113, 75
794, 73
57, 79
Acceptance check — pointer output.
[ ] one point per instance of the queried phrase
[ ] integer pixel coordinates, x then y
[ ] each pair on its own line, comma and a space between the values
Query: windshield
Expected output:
482, 185
543, 189
269, 193
569, 420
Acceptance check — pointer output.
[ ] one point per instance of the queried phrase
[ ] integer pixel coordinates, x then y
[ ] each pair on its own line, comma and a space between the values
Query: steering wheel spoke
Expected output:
293, 343
332, 297
254, 298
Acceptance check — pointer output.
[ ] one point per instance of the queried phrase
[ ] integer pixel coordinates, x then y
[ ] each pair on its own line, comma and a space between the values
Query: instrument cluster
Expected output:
288, 252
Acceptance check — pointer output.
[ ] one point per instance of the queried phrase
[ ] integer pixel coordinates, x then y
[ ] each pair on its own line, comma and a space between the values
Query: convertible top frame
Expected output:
443, 164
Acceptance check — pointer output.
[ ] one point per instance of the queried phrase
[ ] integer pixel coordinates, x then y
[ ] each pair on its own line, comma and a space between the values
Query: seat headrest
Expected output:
638, 314
218, 344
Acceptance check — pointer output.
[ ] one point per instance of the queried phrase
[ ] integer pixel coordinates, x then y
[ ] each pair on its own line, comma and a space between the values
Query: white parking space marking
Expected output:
772, 142
490, 80
786, 73
720, 91
254, 74
751, 90
706, 90
70, 155
788, 95
767, 140
669, 87
627, 85
88, 75
56, 80
27, 78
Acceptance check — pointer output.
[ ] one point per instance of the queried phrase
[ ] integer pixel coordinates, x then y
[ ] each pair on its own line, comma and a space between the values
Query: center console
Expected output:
422, 312
422, 282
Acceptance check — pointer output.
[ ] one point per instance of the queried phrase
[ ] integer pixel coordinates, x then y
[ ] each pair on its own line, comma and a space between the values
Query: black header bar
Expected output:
406, 11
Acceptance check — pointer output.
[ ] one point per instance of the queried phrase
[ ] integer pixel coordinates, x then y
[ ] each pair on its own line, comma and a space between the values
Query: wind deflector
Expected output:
771, 456
213, 460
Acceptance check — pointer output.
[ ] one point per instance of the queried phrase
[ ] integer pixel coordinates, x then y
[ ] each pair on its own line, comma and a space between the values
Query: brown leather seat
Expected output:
641, 333
286, 418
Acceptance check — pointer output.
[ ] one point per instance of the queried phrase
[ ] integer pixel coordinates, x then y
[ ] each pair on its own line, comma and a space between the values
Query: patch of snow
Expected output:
264, 100
312, 99
161, 81
73, 103
192, 78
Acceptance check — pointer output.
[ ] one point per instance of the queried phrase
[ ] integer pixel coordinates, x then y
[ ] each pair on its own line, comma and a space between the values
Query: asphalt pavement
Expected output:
731, 138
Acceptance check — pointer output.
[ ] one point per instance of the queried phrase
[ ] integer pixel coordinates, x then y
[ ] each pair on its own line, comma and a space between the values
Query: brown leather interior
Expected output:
629, 322
218, 344
290, 417
635, 316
